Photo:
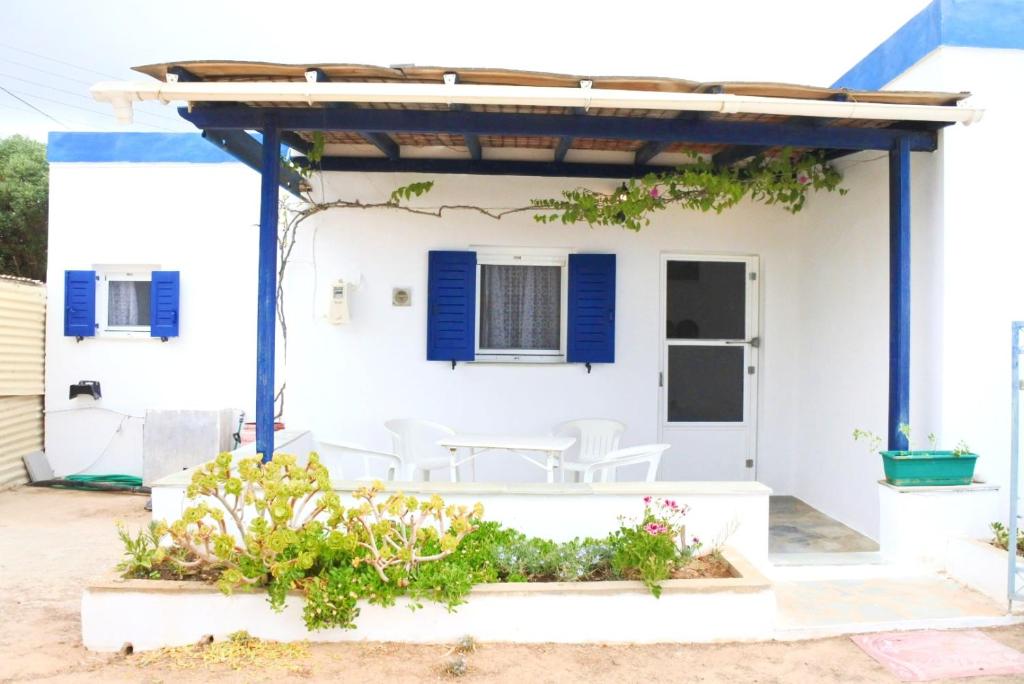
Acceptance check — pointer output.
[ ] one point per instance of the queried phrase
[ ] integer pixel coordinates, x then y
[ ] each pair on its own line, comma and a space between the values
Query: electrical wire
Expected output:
44, 71
80, 95
58, 61
36, 109
73, 106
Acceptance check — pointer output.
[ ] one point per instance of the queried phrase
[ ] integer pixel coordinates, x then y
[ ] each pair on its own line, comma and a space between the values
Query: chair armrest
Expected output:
628, 456
394, 463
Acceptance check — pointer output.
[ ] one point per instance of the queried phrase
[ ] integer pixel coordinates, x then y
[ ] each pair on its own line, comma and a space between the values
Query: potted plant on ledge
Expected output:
922, 467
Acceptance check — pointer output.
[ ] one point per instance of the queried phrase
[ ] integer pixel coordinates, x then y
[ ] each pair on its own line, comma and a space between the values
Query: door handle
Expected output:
754, 342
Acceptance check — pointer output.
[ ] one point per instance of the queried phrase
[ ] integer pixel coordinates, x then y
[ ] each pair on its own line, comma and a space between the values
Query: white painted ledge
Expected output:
721, 513
980, 566
151, 614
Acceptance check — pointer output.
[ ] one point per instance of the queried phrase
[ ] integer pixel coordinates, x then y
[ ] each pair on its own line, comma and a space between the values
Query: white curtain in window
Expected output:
520, 307
123, 305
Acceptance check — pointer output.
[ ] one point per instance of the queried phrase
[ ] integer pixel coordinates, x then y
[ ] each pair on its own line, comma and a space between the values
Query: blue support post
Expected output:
266, 321
899, 292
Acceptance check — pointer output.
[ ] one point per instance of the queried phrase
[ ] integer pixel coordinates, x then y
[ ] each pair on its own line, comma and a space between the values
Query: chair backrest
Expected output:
595, 437
416, 440
645, 453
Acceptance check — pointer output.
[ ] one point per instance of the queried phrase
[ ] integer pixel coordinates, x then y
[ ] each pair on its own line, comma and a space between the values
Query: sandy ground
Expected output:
52, 542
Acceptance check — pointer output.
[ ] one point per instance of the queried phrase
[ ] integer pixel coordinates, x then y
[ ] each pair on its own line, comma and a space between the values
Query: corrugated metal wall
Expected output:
22, 320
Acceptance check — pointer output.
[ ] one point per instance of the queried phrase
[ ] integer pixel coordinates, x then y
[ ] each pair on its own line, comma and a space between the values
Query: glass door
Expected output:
708, 377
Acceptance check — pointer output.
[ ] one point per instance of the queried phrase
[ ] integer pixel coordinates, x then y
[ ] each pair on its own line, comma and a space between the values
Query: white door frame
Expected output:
750, 357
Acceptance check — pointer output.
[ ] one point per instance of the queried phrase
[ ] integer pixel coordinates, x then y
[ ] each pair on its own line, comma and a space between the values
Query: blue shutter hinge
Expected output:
588, 367
453, 364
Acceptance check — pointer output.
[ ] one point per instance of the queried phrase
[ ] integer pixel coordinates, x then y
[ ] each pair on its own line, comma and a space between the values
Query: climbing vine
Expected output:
782, 179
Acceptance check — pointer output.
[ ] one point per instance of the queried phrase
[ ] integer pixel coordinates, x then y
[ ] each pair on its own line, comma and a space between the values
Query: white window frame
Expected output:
524, 256
106, 273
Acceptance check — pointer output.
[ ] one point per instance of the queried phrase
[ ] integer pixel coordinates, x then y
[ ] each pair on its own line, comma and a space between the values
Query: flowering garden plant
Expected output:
651, 548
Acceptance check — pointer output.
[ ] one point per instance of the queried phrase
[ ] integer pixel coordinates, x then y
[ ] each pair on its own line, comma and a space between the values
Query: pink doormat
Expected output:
924, 656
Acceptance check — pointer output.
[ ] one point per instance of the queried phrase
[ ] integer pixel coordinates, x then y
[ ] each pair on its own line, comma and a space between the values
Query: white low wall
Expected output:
720, 512
980, 566
151, 614
918, 522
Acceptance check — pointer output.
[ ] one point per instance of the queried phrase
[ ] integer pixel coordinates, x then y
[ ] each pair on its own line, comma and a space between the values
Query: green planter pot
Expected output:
928, 468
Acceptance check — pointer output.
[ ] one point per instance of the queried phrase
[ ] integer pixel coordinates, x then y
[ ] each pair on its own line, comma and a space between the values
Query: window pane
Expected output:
706, 300
128, 302
520, 307
705, 384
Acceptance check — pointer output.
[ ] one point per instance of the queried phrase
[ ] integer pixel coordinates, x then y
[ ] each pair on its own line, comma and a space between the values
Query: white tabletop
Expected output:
511, 442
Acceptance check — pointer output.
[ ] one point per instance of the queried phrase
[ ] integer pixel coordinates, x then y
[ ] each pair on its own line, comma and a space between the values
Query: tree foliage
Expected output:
24, 186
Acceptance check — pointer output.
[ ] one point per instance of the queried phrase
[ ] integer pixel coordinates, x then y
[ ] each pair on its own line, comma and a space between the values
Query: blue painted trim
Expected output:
899, 294
649, 151
382, 141
960, 23
562, 148
618, 128
79, 303
132, 147
484, 167
983, 23
248, 150
165, 304
451, 306
266, 321
590, 329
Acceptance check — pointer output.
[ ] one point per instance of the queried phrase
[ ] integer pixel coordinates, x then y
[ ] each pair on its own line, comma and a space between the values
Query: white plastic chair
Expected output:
647, 453
416, 446
332, 454
595, 439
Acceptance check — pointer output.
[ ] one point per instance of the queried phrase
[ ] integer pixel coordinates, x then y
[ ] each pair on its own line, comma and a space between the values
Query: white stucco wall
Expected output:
983, 242
844, 341
344, 381
196, 218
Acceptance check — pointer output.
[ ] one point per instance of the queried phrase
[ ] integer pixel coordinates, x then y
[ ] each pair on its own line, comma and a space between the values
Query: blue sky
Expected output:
51, 51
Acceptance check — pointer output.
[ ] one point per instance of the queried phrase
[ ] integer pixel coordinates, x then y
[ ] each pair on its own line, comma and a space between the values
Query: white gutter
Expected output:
122, 94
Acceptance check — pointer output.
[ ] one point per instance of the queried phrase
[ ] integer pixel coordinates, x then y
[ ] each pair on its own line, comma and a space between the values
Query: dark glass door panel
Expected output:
705, 384
706, 300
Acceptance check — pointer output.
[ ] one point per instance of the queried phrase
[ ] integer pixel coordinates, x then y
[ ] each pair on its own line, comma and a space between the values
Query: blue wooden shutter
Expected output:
451, 306
591, 326
79, 303
164, 304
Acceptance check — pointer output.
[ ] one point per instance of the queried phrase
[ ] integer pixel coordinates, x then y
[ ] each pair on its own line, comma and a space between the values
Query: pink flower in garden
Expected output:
803, 178
653, 528
647, 501
670, 503
655, 192
696, 539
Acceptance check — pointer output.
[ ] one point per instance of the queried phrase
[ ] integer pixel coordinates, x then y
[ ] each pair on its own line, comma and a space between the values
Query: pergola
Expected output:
500, 122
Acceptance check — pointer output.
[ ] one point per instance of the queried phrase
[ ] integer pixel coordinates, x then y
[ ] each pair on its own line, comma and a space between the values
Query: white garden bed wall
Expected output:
919, 522
720, 512
979, 565
151, 614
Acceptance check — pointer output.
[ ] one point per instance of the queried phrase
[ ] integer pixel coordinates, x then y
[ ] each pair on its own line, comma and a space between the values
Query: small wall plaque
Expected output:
401, 296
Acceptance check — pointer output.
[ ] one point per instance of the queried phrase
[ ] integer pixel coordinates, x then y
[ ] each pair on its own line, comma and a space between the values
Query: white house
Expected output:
753, 341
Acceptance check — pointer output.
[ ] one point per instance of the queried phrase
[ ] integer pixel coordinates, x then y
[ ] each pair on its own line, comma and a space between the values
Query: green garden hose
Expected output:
96, 483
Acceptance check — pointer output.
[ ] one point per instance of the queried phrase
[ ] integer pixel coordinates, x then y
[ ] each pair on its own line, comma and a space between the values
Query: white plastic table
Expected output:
553, 449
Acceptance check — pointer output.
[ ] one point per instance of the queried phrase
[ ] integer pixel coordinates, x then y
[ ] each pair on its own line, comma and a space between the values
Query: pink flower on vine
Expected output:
655, 192
647, 501
696, 539
803, 178
670, 503
654, 528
